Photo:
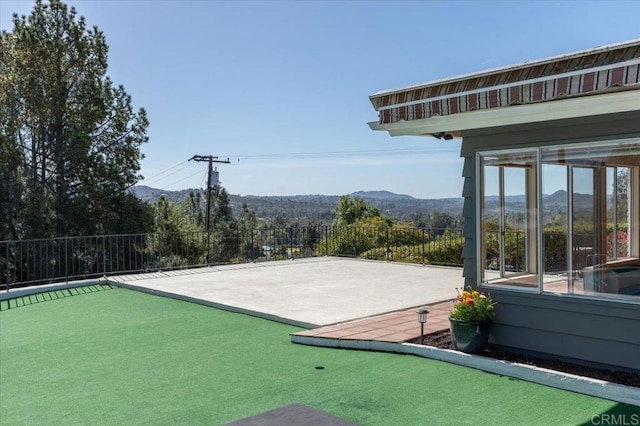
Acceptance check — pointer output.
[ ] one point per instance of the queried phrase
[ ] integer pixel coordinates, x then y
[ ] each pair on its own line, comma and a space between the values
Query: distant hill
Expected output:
144, 192
317, 207
322, 208
559, 198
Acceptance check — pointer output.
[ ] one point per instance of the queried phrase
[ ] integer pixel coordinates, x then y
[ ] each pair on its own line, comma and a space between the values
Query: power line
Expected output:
296, 155
333, 154
183, 179
162, 176
165, 171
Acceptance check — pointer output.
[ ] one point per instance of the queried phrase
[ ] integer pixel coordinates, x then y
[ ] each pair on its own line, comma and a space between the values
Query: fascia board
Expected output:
585, 106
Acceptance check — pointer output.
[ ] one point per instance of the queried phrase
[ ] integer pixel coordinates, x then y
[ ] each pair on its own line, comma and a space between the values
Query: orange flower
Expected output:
469, 301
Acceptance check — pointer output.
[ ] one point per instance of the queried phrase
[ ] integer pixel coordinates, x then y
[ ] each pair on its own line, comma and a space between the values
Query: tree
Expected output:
74, 136
349, 210
620, 195
247, 225
442, 221
192, 207
178, 239
10, 188
224, 228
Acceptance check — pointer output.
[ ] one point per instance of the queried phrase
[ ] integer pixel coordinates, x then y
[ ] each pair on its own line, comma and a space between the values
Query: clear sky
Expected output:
281, 88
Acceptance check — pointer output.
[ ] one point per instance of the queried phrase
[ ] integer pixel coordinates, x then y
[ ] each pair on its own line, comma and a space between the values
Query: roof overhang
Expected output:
566, 58
603, 80
456, 124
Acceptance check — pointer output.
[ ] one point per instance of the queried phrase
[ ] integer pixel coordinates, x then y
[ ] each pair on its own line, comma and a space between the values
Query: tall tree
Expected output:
226, 237
10, 189
75, 135
349, 210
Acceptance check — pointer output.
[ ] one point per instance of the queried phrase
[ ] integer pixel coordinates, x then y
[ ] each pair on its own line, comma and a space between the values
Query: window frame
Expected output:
633, 230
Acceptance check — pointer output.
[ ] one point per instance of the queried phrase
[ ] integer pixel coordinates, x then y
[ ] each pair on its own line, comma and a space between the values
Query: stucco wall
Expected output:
573, 327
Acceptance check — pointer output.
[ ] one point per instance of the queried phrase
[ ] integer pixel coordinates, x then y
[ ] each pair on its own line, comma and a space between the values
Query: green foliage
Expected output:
225, 234
357, 228
351, 210
346, 241
372, 239
70, 138
446, 249
177, 242
10, 188
473, 306
442, 220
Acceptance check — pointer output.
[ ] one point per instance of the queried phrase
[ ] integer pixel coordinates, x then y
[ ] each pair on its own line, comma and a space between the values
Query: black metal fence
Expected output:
42, 261
554, 249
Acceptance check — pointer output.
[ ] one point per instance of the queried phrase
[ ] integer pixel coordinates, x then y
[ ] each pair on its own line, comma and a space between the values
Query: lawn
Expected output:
122, 357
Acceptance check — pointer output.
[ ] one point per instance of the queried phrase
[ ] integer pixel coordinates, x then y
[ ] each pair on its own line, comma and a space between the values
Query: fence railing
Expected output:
554, 250
42, 261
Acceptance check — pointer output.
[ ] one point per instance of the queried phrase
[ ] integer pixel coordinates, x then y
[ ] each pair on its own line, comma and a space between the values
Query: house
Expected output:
551, 193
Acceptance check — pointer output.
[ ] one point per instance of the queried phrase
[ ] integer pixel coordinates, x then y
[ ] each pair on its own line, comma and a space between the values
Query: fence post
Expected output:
388, 253
251, 248
326, 240
517, 256
7, 266
423, 261
104, 255
66, 260
291, 242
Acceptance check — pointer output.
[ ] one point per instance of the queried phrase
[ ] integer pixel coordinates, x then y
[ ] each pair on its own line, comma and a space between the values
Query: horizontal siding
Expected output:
469, 208
469, 187
609, 327
469, 272
468, 168
469, 229
468, 251
581, 350
592, 331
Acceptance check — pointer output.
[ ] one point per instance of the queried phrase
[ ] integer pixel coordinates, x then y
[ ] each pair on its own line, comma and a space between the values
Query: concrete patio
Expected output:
306, 292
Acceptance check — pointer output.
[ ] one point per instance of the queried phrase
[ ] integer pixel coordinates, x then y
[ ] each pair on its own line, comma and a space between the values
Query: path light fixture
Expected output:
422, 319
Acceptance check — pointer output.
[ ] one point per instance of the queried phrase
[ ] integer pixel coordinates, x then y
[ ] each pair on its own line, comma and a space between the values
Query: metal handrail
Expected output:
43, 261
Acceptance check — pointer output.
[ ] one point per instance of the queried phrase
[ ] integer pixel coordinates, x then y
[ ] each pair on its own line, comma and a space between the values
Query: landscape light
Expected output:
422, 319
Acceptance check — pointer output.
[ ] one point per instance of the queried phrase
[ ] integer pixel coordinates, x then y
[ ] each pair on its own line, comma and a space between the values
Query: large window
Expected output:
561, 218
508, 215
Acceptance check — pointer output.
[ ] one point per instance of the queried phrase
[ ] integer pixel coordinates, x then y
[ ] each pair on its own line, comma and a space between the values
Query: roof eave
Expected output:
585, 106
536, 62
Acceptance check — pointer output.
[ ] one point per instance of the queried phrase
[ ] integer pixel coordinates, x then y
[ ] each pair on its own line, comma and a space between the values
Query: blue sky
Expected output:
284, 86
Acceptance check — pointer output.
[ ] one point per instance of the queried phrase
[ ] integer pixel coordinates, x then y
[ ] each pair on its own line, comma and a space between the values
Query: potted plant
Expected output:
470, 320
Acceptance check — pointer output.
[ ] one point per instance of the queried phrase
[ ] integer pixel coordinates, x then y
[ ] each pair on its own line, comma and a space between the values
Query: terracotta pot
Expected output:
469, 337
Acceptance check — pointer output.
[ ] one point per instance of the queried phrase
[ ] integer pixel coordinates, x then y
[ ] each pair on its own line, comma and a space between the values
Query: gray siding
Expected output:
596, 332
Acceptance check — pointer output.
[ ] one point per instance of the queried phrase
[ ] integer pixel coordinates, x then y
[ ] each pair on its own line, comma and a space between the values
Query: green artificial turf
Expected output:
124, 357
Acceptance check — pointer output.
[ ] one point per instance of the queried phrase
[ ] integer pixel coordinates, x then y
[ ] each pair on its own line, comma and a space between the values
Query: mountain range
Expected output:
316, 206
322, 207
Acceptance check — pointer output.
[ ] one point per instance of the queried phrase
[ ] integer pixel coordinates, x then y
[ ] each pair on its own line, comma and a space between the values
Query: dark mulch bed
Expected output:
442, 340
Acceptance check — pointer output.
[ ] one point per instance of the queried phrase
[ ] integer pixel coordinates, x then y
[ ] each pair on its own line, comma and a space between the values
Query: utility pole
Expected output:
210, 184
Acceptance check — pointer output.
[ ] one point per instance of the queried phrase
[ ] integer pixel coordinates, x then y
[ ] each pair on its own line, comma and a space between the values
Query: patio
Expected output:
308, 292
